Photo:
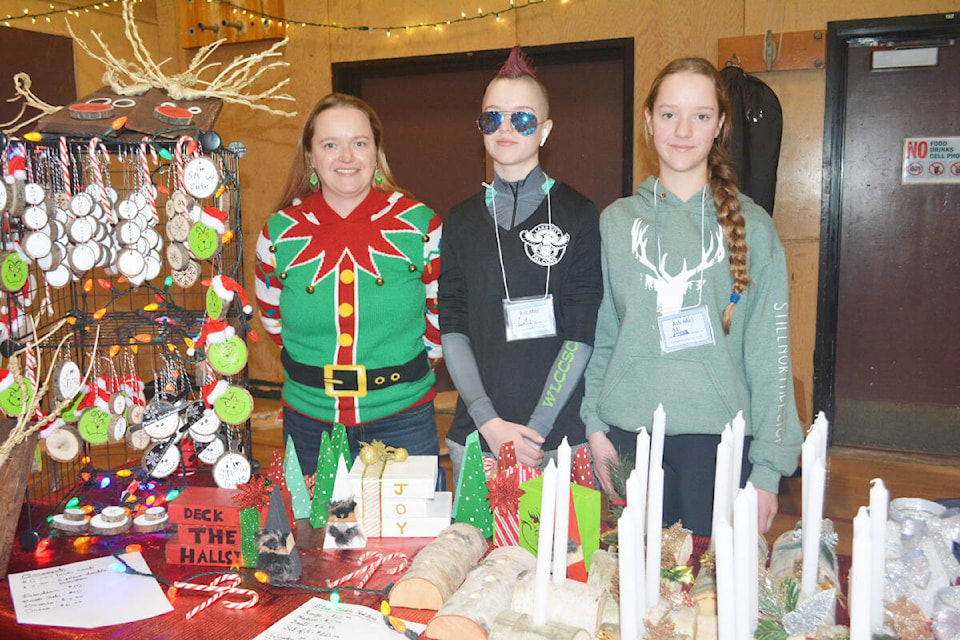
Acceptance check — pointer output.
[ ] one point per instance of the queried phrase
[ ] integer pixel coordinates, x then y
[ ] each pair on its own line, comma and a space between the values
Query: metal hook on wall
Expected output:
771, 50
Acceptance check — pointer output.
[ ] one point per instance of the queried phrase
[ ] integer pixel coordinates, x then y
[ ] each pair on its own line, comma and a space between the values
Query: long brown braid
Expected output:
723, 180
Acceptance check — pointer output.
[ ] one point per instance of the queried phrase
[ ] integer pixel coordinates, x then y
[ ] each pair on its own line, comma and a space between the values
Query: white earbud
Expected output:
543, 139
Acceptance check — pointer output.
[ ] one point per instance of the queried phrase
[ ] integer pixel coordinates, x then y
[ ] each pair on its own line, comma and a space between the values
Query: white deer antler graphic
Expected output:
671, 288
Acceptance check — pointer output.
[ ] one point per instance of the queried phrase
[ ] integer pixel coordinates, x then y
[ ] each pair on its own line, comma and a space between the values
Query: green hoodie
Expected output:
664, 256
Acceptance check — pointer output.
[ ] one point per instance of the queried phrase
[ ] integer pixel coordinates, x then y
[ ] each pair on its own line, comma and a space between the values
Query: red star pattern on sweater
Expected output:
359, 241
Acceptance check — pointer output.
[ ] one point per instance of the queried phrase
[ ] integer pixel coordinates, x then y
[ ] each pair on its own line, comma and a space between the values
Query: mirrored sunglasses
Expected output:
523, 122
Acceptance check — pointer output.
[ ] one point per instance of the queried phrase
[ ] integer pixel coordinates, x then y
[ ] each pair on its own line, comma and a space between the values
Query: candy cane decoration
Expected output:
363, 574
47, 298
65, 167
147, 187
224, 585
178, 159
98, 178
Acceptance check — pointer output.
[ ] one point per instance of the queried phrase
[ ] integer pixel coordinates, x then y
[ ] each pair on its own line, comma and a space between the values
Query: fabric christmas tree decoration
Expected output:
581, 472
299, 498
323, 482
507, 457
470, 505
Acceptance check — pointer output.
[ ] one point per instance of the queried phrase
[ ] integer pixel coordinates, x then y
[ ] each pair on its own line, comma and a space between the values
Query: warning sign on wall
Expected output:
927, 160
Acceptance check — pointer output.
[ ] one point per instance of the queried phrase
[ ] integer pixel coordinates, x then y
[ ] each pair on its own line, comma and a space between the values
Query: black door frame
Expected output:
348, 76
840, 35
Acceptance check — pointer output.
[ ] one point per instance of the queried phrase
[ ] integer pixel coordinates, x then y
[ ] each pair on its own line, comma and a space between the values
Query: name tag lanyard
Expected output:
526, 317
690, 326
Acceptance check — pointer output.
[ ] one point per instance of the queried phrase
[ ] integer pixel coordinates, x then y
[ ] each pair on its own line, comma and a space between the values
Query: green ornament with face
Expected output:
229, 357
95, 425
72, 413
216, 308
13, 272
203, 241
234, 406
12, 400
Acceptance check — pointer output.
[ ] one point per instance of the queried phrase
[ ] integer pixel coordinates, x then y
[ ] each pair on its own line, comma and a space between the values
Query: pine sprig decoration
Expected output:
619, 470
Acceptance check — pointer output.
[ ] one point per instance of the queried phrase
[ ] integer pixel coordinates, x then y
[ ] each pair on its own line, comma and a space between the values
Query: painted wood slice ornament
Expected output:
12, 400
61, 200
188, 276
14, 271
234, 405
66, 379
152, 238
135, 413
81, 204
37, 244
35, 217
81, 230
178, 227
228, 357
110, 521
230, 470
94, 425
128, 232
216, 308
154, 519
154, 264
53, 258
172, 114
90, 111
206, 425
63, 444
130, 263
33, 193
58, 228
211, 452
127, 209
58, 277
72, 520
204, 242
83, 257
4, 196
161, 459
179, 202
137, 439
72, 413
161, 419
117, 403
201, 177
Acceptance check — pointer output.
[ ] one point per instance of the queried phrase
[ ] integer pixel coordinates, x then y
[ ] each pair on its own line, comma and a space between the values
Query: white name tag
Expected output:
685, 329
528, 318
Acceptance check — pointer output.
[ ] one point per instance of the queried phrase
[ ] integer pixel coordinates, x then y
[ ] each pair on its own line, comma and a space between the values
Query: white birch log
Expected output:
440, 568
603, 572
786, 560
511, 625
574, 603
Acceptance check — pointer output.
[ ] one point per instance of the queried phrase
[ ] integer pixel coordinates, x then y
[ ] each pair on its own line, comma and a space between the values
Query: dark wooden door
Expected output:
47, 59
895, 258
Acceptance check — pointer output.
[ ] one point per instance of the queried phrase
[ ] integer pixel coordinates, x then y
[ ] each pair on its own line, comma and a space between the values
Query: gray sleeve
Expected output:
562, 381
462, 366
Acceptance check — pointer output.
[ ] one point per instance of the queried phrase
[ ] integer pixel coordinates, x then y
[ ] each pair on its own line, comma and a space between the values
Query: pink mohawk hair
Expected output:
518, 65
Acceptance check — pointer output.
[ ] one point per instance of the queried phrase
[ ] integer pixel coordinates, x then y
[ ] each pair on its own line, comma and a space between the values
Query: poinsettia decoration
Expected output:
254, 494
504, 492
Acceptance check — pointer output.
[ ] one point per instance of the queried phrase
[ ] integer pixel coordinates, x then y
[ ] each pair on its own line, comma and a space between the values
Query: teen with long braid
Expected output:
695, 311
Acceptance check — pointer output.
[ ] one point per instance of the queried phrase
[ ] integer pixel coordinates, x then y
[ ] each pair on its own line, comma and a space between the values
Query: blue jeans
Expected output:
414, 429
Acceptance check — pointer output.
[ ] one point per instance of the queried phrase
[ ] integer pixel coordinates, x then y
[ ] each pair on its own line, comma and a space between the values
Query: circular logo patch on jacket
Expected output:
545, 244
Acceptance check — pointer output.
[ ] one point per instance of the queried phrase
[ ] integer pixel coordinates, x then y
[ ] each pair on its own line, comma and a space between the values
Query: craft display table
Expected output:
216, 622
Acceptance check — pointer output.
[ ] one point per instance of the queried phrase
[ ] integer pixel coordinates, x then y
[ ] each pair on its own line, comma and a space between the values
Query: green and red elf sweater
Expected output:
360, 290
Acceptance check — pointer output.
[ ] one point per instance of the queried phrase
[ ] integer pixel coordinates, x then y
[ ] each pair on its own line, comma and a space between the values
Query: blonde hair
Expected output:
723, 180
298, 181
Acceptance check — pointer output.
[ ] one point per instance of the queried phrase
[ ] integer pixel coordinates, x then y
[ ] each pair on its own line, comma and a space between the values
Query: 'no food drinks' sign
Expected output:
927, 160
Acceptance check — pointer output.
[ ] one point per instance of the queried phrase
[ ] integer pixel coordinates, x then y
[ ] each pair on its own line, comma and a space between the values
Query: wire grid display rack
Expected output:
135, 329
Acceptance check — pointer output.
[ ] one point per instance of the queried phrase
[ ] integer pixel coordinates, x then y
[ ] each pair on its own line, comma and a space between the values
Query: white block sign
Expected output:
930, 160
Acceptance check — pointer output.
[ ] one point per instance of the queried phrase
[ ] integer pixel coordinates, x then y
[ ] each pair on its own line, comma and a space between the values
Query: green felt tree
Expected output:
299, 498
323, 481
341, 445
471, 505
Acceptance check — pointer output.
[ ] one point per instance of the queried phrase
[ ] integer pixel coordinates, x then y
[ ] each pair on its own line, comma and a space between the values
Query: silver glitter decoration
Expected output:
810, 614
946, 616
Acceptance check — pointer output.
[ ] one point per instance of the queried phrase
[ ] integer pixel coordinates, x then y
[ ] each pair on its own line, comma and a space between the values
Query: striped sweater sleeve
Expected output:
269, 287
431, 274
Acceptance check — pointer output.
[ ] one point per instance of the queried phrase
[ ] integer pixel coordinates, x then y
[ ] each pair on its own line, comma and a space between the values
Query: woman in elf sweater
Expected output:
695, 311
347, 286
519, 287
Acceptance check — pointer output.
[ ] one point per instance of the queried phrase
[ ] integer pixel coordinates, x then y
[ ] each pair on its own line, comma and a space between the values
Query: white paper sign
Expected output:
927, 160
318, 619
73, 595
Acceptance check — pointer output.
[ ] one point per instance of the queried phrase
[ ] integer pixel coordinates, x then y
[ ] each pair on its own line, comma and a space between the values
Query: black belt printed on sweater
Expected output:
354, 380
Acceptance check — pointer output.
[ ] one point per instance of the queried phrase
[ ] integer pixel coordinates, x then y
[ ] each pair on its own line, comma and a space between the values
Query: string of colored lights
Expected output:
436, 25
53, 11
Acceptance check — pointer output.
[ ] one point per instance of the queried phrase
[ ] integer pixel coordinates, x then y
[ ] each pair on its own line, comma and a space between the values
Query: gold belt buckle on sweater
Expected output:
350, 381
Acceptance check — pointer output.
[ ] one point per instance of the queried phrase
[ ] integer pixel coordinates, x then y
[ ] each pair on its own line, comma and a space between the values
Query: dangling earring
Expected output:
314, 181
378, 177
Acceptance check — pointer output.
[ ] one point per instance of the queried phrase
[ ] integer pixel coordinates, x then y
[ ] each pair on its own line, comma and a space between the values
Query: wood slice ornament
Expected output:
53, 258
33, 193
117, 428
59, 276
178, 257
35, 217
4, 196
172, 114
13, 400
188, 276
211, 452
14, 271
178, 227
201, 177
83, 257
66, 379
131, 263
137, 438
161, 459
154, 519
37, 244
161, 419
81, 204
154, 264
206, 425
110, 521
94, 425
227, 357
72, 520
234, 405
216, 308
230, 470
135, 413
73, 412
90, 111
204, 241
63, 444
